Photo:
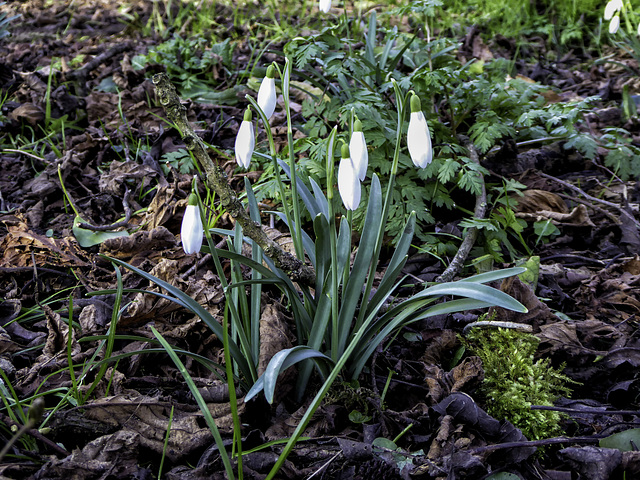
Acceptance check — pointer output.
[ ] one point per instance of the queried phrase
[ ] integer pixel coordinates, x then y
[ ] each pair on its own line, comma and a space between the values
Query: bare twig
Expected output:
532, 443
479, 213
113, 226
216, 179
609, 215
591, 198
81, 74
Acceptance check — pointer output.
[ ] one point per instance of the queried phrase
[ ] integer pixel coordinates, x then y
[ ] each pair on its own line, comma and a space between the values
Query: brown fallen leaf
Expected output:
21, 247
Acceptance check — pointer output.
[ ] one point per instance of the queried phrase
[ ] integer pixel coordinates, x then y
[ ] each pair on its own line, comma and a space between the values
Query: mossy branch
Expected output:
216, 179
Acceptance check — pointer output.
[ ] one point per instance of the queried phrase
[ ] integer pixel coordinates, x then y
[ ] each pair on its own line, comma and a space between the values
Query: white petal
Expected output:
612, 7
348, 184
325, 6
419, 140
359, 154
191, 232
245, 143
267, 96
614, 24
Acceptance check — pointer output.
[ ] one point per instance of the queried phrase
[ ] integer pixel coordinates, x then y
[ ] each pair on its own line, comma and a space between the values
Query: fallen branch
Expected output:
216, 180
622, 211
479, 212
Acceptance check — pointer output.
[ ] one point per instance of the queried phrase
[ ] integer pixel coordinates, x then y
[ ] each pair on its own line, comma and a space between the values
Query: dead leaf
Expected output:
538, 313
466, 375
534, 200
21, 247
158, 239
29, 113
145, 307
163, 208
121, 173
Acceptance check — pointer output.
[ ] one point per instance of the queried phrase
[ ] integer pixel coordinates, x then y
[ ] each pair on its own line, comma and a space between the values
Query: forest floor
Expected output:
584, 309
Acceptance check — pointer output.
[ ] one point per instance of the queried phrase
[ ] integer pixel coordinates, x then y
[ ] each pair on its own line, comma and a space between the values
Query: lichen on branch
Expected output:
216, 179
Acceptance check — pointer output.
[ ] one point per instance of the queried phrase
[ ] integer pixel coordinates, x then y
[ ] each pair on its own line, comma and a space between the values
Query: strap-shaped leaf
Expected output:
478, 291
323, 203
343, 246
307, 198
370, 340
280, 362
189, 303
323, 251
398, 260
318, 334
358, 275
492, 276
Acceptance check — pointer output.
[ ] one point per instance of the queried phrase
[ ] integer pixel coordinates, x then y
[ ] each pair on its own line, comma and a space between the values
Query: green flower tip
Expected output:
415, 103
247, 114
193, 199
271, 72
345, 151
357, 125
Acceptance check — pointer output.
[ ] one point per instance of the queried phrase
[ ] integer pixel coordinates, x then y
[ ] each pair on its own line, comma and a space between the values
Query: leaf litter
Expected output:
583, 308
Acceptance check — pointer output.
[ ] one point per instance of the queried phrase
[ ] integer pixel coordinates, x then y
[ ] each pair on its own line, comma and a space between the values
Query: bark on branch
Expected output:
478, 213
216, 179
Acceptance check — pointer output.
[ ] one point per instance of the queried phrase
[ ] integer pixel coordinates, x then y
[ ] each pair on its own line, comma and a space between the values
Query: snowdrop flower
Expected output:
614, 24
325, 6
418, 137
267, 92
358, 150
191, 232
348, 181
245, 140
639, 29
612, 7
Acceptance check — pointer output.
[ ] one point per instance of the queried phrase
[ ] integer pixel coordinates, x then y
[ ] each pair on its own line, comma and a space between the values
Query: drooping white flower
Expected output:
614, 24
348, 181
639, 29
192, 231
418, 136
612, 7
358, 150
325, 6
245, 140
267, 92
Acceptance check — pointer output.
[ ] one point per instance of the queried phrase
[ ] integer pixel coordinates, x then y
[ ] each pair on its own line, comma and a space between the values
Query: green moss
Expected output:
514, 381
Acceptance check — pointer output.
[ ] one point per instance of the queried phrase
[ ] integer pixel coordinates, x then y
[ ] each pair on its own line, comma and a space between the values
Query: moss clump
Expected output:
513, 381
